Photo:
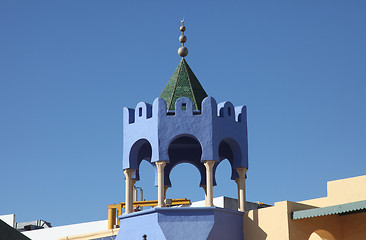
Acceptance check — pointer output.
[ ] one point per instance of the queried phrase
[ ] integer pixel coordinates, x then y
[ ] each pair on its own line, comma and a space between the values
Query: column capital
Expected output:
160, 165
242, 171
209, 163
128, 172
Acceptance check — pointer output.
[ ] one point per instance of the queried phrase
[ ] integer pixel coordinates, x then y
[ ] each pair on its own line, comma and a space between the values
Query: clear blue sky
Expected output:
67, 68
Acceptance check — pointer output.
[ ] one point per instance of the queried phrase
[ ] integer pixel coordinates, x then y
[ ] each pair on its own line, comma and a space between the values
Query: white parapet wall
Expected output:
222, 202
55, 233
218, 202
230, 203
9, 219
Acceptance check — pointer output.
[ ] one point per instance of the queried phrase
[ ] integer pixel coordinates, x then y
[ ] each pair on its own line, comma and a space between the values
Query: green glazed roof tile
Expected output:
183, 83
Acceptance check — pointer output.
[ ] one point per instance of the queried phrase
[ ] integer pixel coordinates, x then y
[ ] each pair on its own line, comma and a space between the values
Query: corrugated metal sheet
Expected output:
337, 209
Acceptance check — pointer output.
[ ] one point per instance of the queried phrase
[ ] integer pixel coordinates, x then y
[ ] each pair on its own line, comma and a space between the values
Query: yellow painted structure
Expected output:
275, 223
115, 210
341, 191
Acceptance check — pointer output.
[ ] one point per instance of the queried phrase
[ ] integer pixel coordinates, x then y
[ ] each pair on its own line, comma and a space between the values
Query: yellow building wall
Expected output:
341, 191
275, 223
269, 223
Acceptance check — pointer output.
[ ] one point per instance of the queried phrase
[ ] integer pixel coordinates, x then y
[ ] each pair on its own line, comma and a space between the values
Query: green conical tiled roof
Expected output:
183, 83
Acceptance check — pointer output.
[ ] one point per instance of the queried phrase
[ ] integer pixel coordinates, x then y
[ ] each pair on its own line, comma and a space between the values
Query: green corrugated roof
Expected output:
337, 209
183, 83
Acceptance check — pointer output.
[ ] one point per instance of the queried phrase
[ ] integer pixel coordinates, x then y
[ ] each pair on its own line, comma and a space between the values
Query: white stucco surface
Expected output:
217, 202
55, 233
9, 219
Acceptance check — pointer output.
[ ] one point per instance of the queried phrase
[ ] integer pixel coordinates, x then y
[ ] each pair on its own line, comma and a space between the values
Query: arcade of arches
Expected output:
185, 149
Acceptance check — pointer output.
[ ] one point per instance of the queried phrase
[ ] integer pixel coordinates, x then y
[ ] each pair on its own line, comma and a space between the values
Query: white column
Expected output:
129, 190
160, 165
241, 188
209, 182
237, 185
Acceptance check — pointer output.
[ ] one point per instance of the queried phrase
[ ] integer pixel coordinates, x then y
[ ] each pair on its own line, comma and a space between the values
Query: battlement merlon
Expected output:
158, 127
184, 107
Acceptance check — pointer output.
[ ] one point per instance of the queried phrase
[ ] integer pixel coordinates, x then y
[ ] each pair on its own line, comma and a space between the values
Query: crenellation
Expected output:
209, 106
153, 120
241, 113
226, 110
159, 107
143, 111
184, 107
128, 115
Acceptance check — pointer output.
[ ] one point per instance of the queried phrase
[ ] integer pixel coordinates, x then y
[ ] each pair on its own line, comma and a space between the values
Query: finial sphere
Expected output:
183, 51
182, 38
182, 28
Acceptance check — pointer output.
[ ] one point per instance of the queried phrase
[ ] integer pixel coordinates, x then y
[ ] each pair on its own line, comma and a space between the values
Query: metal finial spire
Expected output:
182, 51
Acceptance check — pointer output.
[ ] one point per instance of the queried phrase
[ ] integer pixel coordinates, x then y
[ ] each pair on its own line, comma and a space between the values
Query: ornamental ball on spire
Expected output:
182, 38
183, 51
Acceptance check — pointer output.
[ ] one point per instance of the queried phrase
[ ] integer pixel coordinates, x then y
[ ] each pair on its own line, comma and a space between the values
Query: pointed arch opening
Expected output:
145, 171
185, 179
230, 159
146, 181
140, 150
229, 149
183, 150
321, 235
223, 174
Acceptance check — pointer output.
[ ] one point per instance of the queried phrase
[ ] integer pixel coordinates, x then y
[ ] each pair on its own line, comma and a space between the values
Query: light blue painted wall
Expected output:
149, 131
182, 223
135, 225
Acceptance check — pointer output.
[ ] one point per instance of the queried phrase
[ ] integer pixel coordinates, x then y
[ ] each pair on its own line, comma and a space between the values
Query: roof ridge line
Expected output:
190, 85
174, 88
